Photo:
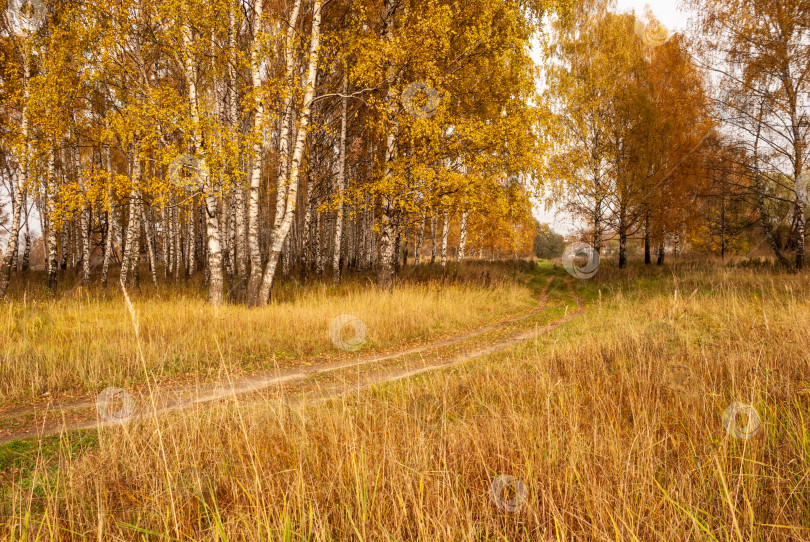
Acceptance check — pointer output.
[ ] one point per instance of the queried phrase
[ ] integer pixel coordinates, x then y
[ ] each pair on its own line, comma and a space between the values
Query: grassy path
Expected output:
323, 380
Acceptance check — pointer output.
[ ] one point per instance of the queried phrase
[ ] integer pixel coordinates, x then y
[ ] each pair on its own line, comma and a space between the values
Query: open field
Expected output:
394, 270
85, 341
611, 424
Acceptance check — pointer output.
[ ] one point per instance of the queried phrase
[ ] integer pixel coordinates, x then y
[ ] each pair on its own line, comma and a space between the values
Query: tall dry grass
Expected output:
613, 424
83, 340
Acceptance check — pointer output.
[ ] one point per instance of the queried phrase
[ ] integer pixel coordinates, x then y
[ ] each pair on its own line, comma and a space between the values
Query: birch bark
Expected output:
434, 224
256, 168
12, 247
26, 260
418, 254
385, 275
341, 181
13, 237
462, 238
131, 253
280, 233
84, 218
238, 191
214, 242
150, 244
110, 219
259, 283
50, 198
445, 234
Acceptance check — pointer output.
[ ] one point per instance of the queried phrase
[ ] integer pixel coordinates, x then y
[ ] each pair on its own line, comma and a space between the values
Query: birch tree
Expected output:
290, 183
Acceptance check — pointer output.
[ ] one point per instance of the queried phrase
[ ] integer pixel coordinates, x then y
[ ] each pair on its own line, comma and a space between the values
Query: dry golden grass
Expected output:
86, 342
612, 422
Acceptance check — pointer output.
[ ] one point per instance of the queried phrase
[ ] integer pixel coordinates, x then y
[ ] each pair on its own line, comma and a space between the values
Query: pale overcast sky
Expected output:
666, 11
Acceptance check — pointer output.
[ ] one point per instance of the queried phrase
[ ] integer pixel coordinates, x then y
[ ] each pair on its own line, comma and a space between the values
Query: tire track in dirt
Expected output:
171, 400
395, 376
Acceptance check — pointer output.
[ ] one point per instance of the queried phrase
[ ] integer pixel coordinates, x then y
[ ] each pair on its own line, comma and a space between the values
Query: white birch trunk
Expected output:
420, 241
133, 226
165, 241
84, 219
74, 241
22, 182
359, 237
280, 233
12, 246
445, 234
307, 233
238, 230
150, 244
351, 240
372, 238
285, 136
135, 262
214, 242
226, 225
26, 261
241, 231
385, 275
178, 241
341, 181
64, 247
404, 247
286, 255
462, 238
191, 242
319, 249
434, 224
53, 260
256, 167
108, 247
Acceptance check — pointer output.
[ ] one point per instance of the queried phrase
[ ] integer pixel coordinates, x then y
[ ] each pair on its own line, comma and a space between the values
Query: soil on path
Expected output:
303, 384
